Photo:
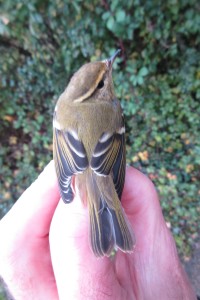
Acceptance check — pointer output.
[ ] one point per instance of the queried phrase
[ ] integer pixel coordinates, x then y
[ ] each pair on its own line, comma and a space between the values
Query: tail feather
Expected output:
109, 227
123, 236
101, 233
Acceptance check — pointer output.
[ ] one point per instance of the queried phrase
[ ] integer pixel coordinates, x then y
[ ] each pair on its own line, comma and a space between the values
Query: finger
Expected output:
34, 209
155, 251
142, 206
139, 194
72, 258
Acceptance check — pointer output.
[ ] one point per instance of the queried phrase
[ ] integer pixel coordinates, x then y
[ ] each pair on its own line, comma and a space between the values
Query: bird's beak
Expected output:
111, 60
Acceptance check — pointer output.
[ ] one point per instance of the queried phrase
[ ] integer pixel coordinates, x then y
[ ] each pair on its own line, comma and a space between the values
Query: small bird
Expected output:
89, 143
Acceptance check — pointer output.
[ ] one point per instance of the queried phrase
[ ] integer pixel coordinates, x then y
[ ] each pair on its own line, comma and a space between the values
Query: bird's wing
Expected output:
70, 158
109, 226
119, 167
109, 158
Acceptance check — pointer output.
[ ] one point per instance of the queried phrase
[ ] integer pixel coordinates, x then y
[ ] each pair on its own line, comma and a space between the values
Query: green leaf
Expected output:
143, 71
120, 16
106, 15
110, 23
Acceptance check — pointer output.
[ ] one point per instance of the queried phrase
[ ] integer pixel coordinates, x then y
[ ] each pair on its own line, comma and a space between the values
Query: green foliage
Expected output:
157, 79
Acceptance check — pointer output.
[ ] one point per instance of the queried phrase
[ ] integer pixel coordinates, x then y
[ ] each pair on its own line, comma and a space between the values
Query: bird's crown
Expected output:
88, 78
85, 81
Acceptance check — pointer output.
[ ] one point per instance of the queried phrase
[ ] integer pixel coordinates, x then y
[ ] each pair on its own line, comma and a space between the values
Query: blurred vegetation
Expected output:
157, 79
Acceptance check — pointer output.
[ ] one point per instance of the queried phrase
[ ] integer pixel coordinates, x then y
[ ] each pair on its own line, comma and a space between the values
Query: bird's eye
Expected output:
100, 85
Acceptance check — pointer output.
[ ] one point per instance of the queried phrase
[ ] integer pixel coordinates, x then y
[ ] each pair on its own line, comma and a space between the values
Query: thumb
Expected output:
142, 206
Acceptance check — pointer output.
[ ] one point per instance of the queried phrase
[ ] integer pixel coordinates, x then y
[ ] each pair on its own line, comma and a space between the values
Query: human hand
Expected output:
25, 261
33, 270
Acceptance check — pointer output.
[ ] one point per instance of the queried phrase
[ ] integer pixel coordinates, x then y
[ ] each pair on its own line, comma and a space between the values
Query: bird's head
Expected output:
92, 82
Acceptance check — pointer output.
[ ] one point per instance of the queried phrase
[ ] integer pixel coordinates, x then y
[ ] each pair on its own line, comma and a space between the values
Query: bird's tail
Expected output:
109, 227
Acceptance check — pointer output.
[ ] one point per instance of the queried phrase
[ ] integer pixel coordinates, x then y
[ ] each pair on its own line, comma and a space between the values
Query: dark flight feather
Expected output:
70, 158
